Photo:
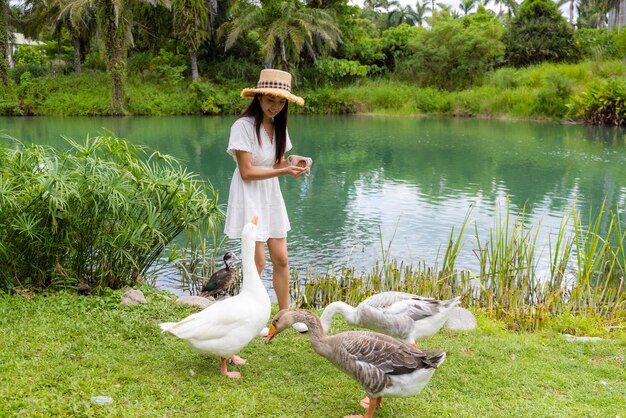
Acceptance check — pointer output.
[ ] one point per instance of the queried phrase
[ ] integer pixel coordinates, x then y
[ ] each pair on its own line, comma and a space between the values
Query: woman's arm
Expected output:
249, 172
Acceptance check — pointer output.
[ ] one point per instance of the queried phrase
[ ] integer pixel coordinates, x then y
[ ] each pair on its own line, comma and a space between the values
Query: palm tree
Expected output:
420, 11
191, 21
466, 6
5, 13
113, 17
287, 29
80, 24
401, 15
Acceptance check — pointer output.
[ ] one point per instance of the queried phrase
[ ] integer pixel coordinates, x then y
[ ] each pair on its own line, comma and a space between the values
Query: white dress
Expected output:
261, 198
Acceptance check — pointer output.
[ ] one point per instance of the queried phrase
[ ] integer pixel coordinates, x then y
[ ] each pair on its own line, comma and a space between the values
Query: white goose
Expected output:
404, 316
226, 327
383, 366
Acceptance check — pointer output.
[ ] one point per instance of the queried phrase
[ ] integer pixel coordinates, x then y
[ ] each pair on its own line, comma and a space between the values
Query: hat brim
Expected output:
250, 93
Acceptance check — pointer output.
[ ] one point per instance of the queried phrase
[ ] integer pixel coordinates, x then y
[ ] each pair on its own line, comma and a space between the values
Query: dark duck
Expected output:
221, 279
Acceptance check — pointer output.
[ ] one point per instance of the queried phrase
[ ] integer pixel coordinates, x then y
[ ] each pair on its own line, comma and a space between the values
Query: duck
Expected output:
382, 365
224, 328
221, 279
401, 315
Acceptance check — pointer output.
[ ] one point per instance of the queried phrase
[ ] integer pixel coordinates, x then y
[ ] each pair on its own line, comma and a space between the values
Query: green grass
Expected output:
58, 351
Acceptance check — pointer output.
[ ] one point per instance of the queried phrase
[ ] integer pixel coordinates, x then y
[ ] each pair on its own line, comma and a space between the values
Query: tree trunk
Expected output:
4, 45
194, 64
115, 54
76, 45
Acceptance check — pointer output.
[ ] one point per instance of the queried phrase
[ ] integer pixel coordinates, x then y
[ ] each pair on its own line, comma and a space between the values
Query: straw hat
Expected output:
275, 83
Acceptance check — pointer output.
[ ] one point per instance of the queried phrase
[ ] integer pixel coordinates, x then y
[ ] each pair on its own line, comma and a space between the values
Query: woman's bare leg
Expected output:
259, 256
280, 277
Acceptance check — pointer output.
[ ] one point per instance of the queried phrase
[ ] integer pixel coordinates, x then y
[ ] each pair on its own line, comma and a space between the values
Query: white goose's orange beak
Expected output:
255, 220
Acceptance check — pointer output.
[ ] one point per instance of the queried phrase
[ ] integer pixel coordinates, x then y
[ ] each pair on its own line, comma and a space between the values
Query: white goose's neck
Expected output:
342, 308
251, 281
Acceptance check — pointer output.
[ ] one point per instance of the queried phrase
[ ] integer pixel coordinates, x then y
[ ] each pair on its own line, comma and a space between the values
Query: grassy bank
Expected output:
545, 91
59, 351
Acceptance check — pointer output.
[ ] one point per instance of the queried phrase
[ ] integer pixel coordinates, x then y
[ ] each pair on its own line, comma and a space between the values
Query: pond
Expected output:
392, 186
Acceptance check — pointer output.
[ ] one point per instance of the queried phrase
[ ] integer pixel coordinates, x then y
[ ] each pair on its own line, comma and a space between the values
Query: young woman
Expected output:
258, 142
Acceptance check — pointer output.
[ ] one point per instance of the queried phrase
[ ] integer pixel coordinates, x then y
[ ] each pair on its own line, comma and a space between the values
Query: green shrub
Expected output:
138, 62
602, 103
596, 44
333, 71
551, 100
451, 56
504, 78
327, 101
35, 70
9, 103
98, 215
539, 33
211, 99
30, 55
169, 66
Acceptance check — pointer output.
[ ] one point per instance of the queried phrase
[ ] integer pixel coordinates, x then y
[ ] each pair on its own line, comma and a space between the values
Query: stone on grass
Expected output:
133, 297
461, 319
197, 301
570, 337
102, 400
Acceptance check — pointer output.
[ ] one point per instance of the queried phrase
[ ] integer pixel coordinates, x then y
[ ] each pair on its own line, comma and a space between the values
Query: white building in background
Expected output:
17, 39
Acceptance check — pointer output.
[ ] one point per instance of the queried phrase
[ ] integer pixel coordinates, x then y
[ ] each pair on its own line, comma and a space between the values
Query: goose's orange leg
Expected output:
235, 359
373, 404
365, 402
225, 372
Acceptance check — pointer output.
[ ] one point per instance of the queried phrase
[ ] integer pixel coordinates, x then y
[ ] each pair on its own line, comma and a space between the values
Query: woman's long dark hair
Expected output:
280, 124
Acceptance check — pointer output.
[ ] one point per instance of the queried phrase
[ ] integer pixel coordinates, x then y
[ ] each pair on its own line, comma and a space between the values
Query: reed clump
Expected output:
584, 276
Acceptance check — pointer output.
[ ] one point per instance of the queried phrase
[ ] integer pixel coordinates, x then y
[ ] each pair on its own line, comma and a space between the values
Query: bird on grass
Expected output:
382, 365
221, 279
224, 328
404, 316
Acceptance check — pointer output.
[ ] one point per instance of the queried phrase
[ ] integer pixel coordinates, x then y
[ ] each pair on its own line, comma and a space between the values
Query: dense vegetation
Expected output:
98, 215
128, 57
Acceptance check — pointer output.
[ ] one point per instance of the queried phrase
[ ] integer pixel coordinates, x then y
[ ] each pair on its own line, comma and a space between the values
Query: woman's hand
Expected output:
296, 171
249, 172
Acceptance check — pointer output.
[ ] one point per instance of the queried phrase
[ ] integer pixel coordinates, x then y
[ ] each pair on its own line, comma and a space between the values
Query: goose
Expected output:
224, 328
404, 316
382, 365
221, 279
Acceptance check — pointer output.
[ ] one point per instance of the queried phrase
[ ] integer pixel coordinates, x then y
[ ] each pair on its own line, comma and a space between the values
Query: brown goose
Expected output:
221, 279
404, 316
382, 365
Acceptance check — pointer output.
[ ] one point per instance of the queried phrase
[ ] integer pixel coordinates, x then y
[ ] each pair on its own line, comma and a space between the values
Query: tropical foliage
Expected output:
539, 33
220, 45
97, 215
603, 104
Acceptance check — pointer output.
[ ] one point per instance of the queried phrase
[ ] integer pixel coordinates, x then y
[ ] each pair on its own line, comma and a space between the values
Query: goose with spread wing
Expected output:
404, 316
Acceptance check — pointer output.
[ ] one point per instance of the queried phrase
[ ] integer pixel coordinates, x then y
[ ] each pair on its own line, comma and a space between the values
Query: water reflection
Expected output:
400, 185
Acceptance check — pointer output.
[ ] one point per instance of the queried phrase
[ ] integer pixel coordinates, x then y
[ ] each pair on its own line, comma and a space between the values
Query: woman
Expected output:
258, 142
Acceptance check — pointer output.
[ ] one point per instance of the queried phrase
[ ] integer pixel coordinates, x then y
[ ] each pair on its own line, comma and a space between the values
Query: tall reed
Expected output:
585, 273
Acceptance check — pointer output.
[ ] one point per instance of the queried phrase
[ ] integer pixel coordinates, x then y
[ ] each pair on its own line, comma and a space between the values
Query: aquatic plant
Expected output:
585, 275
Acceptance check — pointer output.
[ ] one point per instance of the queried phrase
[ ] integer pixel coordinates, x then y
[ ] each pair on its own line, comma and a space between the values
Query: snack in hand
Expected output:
299, 161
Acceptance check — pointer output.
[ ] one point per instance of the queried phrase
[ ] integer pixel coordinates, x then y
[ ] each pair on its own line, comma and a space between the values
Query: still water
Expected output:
392, 185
